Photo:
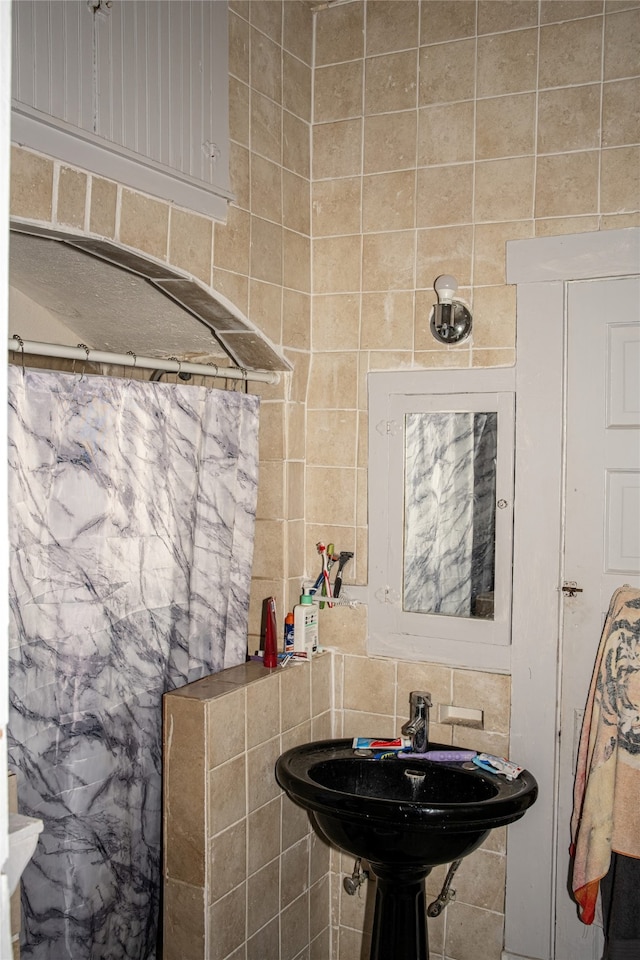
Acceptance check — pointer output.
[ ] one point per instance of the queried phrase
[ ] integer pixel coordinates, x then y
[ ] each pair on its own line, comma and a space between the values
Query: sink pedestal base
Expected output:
400, 917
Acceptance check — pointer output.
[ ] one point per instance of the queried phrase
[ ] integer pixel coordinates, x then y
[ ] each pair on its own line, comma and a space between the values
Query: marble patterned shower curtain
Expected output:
132, 510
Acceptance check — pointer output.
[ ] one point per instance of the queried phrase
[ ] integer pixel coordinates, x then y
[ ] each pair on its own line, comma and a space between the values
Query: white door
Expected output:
602, 532
5, 93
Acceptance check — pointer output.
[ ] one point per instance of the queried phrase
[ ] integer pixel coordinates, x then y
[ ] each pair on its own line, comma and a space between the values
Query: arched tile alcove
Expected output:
118, 299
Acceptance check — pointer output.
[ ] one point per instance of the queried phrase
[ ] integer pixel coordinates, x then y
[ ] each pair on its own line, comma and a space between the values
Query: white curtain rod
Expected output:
81, 352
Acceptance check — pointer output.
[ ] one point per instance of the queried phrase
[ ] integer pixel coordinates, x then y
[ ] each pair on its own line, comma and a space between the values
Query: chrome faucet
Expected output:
417, 726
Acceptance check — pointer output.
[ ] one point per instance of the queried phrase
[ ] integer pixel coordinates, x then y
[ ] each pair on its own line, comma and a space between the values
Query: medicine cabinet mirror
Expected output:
441, 449
449, 513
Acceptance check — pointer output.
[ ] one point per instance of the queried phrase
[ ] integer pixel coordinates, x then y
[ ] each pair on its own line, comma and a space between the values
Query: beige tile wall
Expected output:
262, 260
372, 698
244, 874
440, 130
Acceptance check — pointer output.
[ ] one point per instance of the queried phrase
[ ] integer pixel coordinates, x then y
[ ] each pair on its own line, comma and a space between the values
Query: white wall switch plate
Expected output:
464, 716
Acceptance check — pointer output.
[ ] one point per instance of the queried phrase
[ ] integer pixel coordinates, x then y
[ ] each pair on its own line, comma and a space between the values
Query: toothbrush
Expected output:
316, 586
326, 589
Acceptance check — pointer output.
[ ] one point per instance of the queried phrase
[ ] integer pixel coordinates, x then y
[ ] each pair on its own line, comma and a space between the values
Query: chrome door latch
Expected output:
570, 588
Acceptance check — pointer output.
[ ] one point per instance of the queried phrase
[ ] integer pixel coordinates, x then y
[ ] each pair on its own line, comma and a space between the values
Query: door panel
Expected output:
602, 527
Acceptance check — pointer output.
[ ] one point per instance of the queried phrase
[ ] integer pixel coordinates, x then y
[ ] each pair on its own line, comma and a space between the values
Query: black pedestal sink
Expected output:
404, 816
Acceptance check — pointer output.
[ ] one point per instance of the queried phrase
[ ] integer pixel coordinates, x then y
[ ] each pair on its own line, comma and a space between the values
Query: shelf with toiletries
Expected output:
346, 599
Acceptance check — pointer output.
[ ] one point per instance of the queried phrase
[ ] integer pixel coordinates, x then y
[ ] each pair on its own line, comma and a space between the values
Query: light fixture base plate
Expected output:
450, 322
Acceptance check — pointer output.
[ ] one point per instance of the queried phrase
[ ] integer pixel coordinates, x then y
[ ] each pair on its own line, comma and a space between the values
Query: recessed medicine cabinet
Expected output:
441, 455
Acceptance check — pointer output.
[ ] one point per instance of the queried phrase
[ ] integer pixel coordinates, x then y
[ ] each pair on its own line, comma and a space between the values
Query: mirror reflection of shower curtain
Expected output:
132, 510
449, 511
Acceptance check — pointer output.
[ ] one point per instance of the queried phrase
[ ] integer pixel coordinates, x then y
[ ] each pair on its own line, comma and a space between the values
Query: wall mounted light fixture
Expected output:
450, 319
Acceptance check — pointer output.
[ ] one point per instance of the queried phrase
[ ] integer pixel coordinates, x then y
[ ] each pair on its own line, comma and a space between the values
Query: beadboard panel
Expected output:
145, 82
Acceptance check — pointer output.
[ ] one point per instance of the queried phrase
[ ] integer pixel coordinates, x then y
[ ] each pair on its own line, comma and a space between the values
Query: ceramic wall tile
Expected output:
297, 31
620, 43
238, 47
390, 141
190, 243
390, 82
72, 188
446, 21
473, 933
445, 133
337, 149
567, 184
31, 185
495, 16
239, 124
620, 116
507, 62
583, 38
504, 189
338, 93
569, 118
227, 923
447, 72
297, 87
144, 224
620, 187
265, 65
443, 250
102, 214
444, 195
340, 34
559, 10
505, 126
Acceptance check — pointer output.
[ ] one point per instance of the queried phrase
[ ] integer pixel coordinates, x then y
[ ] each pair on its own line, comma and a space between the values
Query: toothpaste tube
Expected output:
371, 743
486, 761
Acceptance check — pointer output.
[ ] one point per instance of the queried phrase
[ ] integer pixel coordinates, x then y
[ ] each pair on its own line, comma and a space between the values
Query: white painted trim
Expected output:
78, 148
460, 380
541, 269
5, 141
573, 257
537, 544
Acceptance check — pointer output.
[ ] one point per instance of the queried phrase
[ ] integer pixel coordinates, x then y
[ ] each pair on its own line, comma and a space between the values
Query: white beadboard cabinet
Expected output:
133, 90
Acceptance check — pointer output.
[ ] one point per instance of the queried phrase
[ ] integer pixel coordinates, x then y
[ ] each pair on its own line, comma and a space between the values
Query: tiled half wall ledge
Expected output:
244, 874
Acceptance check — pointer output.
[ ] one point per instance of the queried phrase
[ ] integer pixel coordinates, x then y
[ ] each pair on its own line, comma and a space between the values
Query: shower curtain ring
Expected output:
175, 360
130, 353
86, 359
21, 342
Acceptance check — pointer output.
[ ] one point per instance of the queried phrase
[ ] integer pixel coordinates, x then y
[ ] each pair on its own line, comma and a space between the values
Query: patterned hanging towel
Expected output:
607, 786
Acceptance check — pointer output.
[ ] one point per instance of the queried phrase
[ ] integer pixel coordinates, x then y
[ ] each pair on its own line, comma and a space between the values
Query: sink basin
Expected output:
400, 810
404, 816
